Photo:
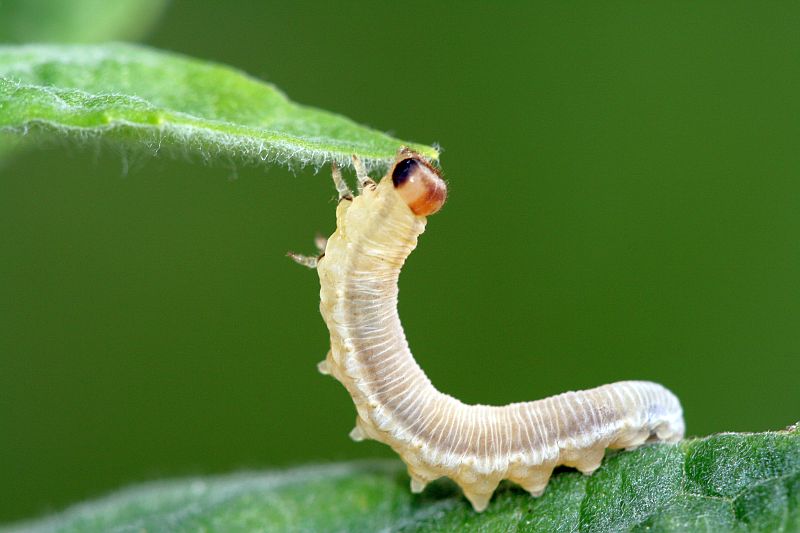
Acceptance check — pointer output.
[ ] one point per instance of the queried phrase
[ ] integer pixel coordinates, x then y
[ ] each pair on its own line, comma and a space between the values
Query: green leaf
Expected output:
139, 97
76, 21
727, 482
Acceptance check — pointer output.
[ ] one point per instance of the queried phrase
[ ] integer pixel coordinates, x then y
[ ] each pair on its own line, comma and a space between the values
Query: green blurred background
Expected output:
624, 191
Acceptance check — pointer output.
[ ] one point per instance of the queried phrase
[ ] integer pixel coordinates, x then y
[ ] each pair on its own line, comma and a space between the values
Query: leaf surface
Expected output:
726, 482
134, 96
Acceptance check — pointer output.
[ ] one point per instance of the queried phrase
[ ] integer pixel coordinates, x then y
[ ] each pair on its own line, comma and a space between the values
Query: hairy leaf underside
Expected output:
140, 98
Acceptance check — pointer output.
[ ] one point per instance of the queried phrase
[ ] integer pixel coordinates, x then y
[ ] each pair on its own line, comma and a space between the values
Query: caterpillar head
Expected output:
418, 183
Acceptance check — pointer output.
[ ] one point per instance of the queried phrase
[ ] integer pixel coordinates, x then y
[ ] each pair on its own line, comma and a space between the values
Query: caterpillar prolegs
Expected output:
435, 434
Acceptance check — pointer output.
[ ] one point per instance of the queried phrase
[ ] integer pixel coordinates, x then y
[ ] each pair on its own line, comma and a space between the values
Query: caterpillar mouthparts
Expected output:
435, 434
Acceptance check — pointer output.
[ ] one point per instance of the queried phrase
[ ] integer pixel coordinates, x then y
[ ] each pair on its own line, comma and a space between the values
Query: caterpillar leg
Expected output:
320, 241
479, 500
341, 186
358, 434
586, 460
361, 173
417, 484
305, 260
323, 366
310, 261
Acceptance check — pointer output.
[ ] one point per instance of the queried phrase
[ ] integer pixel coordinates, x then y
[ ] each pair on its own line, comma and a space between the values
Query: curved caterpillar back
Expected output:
436, 435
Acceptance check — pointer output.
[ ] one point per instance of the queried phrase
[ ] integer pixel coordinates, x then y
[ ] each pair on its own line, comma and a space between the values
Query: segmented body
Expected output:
435, 434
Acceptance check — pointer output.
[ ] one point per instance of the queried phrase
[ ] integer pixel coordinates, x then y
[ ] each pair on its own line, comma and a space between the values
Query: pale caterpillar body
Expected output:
436, 435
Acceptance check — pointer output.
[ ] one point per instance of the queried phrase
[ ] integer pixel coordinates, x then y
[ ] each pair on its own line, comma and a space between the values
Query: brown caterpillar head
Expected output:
418, 183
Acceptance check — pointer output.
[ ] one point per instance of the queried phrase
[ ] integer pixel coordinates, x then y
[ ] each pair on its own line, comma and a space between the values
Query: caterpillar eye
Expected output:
419, 185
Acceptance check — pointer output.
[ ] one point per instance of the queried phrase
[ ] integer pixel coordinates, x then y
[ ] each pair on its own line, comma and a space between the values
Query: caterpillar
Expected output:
436, 435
